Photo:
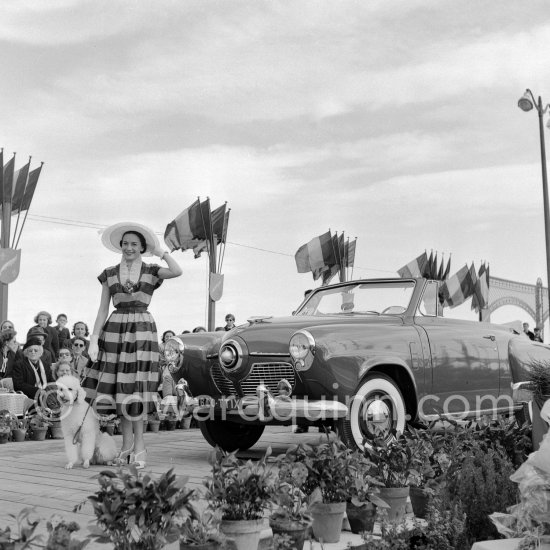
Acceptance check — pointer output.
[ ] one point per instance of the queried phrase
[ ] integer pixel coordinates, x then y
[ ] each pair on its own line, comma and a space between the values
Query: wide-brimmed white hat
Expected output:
112, 236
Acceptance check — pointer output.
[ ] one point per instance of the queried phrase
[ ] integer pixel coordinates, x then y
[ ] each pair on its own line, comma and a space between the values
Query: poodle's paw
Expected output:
69, 465
86, 464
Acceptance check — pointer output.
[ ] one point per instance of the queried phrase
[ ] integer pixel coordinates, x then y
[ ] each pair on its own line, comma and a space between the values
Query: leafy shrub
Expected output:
242, 490
137, 512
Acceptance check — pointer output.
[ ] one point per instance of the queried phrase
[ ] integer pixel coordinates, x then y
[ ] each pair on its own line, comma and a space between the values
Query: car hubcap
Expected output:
376, 416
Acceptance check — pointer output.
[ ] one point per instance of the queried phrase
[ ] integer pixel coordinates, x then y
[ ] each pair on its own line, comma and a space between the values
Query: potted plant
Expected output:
19, 428
395, 465
6, 423
291, 515
25, 536
242, 491
170, 421
38, 428
154, 422
59, 535
363, 501
328, 484
200, 531
425, 479
135, 511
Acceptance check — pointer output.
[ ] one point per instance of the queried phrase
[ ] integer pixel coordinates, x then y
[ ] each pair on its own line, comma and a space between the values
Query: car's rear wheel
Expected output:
377, 410
230, 436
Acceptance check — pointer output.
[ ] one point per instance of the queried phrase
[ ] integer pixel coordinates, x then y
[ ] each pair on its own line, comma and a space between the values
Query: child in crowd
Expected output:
63, 365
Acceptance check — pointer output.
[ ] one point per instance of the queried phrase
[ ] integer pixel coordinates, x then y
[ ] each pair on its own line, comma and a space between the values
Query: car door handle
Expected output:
490, 337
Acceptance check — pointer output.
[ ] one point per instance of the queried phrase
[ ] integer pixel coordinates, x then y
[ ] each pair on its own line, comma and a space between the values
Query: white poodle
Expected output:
83, 440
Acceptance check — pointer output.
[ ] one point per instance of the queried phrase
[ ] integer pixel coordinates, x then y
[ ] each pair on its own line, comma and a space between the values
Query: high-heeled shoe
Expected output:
138, 462
124, 457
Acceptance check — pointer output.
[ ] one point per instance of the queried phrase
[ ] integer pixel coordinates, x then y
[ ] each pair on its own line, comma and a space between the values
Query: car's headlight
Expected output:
301, 345
231, 355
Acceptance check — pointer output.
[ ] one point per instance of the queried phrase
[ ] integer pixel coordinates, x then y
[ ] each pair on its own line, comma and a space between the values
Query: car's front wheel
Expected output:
230, 436
377, 410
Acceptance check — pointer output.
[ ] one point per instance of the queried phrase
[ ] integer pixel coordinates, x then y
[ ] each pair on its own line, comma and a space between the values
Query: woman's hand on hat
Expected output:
160, 252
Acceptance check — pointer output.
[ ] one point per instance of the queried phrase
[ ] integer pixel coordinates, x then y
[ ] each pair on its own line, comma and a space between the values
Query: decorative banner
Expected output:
216, 286
10, 261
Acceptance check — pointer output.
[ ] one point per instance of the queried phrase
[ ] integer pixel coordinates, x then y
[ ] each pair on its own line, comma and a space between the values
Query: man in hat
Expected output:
40, 334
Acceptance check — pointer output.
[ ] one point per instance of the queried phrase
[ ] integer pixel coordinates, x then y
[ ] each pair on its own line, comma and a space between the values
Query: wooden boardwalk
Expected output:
32, 472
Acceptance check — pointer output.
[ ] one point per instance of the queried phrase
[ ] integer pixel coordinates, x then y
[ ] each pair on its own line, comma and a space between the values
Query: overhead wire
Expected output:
91, 225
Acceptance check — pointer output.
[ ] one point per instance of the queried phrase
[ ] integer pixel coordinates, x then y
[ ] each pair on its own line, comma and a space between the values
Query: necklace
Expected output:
129, 273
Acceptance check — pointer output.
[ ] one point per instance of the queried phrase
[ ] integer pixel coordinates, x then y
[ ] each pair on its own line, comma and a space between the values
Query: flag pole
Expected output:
19, 211
26, 214
224, 239
5, 239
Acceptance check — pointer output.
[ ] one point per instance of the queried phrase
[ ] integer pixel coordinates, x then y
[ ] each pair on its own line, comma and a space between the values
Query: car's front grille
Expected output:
224, 385
269, 374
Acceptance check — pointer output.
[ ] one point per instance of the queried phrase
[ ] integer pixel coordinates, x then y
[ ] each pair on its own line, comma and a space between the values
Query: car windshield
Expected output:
373, 298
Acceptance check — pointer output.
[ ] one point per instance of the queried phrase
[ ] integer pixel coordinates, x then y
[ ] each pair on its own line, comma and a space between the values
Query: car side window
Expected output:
428, 304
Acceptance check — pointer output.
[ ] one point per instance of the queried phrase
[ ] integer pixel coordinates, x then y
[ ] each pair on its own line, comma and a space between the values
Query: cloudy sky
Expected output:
395, 122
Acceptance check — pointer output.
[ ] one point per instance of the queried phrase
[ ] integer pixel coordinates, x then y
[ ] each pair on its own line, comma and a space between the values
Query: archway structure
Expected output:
531, 298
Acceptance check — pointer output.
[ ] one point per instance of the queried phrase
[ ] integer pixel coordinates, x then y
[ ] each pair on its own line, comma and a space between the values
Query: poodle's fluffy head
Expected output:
69, 390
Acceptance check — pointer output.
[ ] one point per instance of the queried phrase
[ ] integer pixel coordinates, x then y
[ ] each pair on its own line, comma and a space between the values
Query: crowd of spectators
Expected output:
50, 351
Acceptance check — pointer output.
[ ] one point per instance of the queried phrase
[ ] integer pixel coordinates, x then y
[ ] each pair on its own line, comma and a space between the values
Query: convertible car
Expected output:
364, 357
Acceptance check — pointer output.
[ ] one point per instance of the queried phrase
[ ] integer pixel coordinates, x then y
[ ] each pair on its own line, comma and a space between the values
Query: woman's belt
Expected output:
131, 309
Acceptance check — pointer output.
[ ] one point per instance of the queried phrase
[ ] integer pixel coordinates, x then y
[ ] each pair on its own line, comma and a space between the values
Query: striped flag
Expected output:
220, 219
316, 256
20, 177
457, 289
187, 230
350, 253
415, 268
28, 194
480, 299
7, 183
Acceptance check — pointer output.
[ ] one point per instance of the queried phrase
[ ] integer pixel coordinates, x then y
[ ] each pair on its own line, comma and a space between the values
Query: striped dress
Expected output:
127, 365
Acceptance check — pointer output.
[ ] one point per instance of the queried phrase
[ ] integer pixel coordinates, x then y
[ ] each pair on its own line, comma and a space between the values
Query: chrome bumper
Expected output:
266, 407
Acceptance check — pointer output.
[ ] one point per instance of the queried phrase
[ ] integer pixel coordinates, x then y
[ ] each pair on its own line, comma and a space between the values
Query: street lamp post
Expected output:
526, 103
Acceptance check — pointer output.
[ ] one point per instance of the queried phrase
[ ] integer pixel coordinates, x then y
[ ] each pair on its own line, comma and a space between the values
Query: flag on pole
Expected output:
457, 289
186, 230
20, 178
7, 183
219, 225
480, 300
316, 255
414, 268
350, 253
29, 191
447, 269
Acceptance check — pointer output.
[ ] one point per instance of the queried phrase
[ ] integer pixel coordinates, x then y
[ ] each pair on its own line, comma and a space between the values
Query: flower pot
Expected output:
420, 499
4, 437
296, 530
210, 545
56, 432
327, 520
245, 533
170, 425
186, 422
18, 434
361, 518
38, 434
396, 499
145, 424
154, 426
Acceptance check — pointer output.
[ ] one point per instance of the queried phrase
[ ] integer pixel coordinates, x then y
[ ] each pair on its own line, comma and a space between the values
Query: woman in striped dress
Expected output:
124, 347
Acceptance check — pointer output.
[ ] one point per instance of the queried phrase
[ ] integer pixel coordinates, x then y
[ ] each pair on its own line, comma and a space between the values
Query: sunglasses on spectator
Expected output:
78, 345
65, 354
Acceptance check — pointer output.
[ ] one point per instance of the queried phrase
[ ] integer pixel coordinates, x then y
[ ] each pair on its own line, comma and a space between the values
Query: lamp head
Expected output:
525, 103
